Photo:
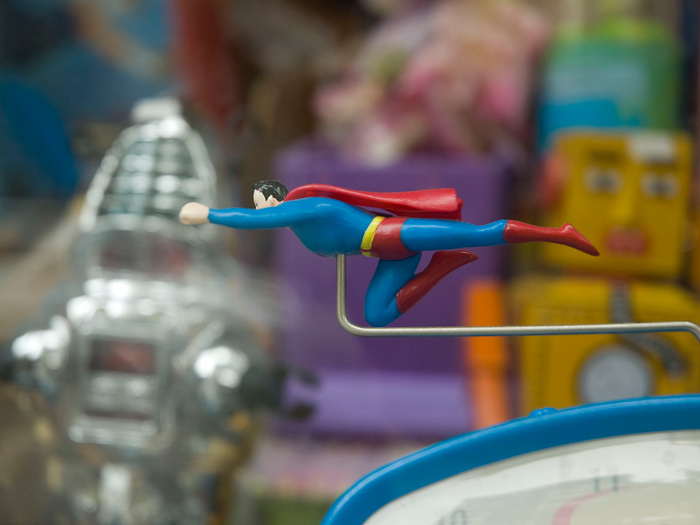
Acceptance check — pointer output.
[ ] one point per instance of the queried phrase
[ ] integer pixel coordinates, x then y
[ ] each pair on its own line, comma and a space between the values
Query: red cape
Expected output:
428, 204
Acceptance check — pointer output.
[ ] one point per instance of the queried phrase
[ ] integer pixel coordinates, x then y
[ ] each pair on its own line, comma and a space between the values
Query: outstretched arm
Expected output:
286, 214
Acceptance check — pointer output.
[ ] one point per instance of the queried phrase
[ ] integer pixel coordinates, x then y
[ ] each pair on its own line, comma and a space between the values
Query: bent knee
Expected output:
380, 317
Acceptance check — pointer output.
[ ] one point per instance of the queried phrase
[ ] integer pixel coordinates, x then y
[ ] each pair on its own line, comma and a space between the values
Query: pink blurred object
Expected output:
454, 76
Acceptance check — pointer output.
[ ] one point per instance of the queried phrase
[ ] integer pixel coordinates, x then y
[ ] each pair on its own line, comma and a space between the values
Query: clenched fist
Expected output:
194, 213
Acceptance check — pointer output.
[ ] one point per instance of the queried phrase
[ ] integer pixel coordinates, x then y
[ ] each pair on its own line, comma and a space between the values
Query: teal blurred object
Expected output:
35, 153
622, 72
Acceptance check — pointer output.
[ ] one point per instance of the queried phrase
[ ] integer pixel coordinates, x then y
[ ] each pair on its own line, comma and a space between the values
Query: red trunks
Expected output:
385, 242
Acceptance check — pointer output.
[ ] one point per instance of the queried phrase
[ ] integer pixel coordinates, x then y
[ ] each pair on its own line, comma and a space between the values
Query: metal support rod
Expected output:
466, 331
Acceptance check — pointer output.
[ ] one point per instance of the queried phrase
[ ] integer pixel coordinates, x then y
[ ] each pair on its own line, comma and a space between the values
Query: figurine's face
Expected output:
261, 202
628, 194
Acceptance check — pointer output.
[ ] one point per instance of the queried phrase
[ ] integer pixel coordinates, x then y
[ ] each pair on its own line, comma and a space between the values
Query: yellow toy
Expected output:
562, 371
630, 191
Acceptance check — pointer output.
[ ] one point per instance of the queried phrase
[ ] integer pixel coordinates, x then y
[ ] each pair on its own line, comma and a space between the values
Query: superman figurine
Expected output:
331, 221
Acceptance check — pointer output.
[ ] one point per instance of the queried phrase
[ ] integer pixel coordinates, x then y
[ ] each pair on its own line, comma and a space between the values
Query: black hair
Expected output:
271, 188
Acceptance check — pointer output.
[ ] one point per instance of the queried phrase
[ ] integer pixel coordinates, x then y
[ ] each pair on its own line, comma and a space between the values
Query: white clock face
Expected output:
647, 479
613, 372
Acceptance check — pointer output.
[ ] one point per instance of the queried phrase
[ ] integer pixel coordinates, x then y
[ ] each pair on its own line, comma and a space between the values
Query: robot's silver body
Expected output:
148, 360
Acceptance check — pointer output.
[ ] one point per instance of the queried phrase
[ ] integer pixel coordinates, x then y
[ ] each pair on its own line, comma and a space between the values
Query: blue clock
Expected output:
616, 463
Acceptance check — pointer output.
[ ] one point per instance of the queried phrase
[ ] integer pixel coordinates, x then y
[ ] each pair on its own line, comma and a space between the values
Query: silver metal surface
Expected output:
466, 331
142, 359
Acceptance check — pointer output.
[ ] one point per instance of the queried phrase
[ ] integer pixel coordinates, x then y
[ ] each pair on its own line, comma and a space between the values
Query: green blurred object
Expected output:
277, 510
622, 71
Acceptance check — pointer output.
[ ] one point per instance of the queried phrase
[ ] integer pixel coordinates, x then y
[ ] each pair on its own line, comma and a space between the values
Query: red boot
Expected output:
567, 235
442, 263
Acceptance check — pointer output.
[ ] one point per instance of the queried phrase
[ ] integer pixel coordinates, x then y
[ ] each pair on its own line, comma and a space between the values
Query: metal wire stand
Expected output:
466, 331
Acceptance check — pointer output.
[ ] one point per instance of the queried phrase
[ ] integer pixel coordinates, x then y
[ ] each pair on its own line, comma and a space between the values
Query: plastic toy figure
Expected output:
331, 221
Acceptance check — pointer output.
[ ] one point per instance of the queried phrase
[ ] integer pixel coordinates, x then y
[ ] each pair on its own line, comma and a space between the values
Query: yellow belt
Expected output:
368, 237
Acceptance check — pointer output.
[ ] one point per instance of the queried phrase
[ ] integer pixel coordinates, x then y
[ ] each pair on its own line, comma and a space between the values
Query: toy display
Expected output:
631, 190
330, 221
151, 366
576, 466
151, 375
603, 367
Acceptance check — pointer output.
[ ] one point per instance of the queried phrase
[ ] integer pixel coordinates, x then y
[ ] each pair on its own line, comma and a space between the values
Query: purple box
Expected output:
407, 386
